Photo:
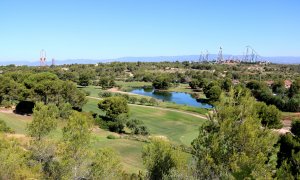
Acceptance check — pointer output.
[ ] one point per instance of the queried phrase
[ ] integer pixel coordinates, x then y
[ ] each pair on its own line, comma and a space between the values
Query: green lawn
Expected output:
129, 150
94, 90
176, 126
183, 107
16, 122
181, 88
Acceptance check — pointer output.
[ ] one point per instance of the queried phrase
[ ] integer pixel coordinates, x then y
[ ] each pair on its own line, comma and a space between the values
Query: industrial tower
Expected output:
43, 57
220, 55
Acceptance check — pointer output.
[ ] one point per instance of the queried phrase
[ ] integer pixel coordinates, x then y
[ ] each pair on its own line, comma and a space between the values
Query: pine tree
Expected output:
233, 143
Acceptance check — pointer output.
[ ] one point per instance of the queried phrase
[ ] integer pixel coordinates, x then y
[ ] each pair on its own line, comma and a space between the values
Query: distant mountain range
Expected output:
279, 60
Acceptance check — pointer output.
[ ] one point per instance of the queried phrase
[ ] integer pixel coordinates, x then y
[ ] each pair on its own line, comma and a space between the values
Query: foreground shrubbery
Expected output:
4, 127
67, 158
231, 145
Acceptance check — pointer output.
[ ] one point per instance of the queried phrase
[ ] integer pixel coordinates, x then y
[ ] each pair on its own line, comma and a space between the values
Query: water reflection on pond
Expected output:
176, 97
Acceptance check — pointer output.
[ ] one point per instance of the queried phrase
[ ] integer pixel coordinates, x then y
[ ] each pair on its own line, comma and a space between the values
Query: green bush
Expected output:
296, 128
105, 94
132, 100
115, 126
270, 116
101, 123
143, 100
111, 137
4, 127
6, 104
153, 102
87, 93
126, 96
137, 127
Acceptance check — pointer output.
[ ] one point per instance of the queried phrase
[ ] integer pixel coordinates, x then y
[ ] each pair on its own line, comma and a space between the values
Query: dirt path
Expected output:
8, 111
287, 123
160, 108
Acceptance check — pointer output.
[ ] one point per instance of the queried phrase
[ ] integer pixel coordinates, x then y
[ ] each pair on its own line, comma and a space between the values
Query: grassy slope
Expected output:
181, 88
176, 126
94, 90
129, 151
180, 128
16, 122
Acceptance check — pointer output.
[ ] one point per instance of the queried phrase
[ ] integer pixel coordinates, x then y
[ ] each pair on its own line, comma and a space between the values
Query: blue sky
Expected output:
99, 29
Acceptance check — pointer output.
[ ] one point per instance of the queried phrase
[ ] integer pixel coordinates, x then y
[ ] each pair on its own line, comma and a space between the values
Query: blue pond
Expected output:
176, 97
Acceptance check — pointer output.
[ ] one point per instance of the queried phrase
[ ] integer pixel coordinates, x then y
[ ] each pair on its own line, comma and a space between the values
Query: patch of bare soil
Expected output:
6, 110
17, 136
116, 90
159, 137
287, 123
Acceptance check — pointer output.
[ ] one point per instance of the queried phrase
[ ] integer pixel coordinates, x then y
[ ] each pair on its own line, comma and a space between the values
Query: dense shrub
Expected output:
6, 104
132, 99
162, 83
137, 127
213, 93
296, 128
114, 106
104, 94
143, 100
111, 137
194, 84
153, 102
4, 127
115, 126
270, 116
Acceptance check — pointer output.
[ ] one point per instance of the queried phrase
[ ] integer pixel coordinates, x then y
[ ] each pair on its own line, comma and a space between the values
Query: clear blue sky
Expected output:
100, 29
